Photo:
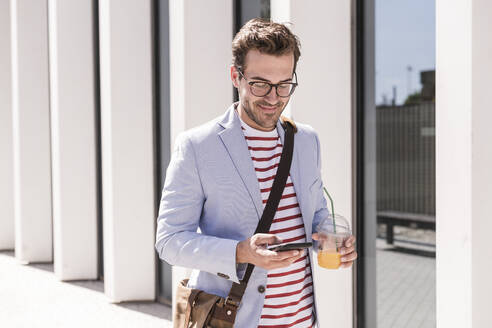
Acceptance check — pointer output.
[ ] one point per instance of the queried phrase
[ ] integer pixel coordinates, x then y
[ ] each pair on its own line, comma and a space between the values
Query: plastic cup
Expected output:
331, 239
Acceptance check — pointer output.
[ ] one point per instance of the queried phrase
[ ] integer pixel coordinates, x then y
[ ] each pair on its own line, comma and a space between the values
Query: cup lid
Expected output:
342, 226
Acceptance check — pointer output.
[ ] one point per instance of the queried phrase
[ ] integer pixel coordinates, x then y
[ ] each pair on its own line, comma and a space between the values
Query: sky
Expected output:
405, 36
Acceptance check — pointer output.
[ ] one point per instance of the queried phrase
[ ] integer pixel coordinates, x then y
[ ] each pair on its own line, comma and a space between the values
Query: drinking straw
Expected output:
332, 215
332, 210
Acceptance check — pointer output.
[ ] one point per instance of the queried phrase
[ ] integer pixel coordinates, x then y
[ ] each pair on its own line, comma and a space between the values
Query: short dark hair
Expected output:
267, 37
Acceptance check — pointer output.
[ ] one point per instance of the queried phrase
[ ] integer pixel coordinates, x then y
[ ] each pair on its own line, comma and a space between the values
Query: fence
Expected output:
406, 158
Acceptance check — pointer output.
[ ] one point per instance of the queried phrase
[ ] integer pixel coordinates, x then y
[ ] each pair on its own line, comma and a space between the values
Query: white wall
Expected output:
323, 100
6, 165
31, 130
481, 163
200, 56
463, 162
73, 128
127, 149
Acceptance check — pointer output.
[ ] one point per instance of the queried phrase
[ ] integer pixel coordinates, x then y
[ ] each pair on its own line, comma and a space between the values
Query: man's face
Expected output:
262, 113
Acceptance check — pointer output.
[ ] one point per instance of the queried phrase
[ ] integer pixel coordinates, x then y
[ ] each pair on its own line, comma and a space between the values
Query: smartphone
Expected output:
288, 247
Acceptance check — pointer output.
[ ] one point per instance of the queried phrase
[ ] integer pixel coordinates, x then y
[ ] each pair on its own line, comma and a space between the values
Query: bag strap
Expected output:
191, 301
237, 290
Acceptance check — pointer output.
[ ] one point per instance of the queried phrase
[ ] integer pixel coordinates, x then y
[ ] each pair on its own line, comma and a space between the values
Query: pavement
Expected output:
406, 285
31, 296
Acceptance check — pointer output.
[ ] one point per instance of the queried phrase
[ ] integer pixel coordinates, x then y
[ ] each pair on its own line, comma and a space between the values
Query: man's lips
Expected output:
268, 108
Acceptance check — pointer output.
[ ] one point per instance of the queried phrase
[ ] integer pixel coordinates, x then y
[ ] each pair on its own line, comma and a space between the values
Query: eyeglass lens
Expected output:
261, 89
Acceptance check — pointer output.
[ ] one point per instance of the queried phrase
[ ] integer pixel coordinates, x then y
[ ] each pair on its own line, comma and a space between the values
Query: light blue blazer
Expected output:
211, 200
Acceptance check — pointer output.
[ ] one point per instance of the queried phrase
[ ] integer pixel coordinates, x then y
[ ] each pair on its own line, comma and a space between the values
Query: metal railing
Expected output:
406, 158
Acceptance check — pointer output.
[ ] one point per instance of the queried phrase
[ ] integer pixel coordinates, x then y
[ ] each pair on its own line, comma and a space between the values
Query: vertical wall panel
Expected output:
453, 163
463, 162
127, 149
324, 101
200, 82
199, 76
481, 163
6, 160
73, 138
31, 129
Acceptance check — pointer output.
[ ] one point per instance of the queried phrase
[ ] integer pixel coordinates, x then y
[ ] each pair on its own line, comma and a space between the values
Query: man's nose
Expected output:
272, 95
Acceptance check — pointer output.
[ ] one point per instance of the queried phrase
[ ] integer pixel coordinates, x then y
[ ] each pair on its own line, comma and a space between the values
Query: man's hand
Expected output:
253, 250
347, 251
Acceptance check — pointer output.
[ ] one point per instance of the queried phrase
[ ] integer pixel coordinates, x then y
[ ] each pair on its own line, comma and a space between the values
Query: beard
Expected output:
257, 115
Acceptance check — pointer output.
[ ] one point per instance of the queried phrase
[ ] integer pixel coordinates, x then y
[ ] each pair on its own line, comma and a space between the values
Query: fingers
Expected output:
268, 259
349, 257
266, 253
350, 241
280, 256
274, 260
265, 238
285, 255
283, 260
348, 260
347, 250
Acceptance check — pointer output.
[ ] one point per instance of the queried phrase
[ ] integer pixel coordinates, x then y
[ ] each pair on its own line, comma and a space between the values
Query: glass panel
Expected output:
249, 9
163, 129
244, 10
405, 163
396, 163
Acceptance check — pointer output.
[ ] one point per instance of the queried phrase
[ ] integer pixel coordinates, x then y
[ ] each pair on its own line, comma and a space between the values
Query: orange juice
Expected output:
329, 259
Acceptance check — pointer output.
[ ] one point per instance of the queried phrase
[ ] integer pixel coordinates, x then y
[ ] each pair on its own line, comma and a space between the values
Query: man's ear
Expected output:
234, 76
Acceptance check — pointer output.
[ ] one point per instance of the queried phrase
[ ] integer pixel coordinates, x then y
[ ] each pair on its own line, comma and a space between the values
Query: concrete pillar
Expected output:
323, 100
73, 125
463, 162
6, 167
126, 51
193, 100
200, 57
31, 129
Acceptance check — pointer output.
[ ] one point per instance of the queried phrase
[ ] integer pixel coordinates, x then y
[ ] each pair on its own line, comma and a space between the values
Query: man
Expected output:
220, 177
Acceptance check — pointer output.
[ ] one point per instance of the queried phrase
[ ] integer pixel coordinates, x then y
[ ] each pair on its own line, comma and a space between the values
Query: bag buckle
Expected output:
229, 301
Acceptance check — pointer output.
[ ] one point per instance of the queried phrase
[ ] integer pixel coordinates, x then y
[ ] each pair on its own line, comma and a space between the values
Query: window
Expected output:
396, 158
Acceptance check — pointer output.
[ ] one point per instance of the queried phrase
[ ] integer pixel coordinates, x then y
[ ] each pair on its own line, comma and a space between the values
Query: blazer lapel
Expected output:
233, 138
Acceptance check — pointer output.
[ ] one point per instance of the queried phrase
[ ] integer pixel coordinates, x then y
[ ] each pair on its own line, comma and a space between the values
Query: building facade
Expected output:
94, 93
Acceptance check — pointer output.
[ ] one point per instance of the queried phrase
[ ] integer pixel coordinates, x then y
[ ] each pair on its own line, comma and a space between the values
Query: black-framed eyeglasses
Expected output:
262, 88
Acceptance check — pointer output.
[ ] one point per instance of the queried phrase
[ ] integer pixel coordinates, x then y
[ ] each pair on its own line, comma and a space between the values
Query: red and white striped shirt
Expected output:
289, 298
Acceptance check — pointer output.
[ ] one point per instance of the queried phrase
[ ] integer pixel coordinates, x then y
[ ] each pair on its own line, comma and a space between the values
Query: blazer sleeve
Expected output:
177, 239
321, 210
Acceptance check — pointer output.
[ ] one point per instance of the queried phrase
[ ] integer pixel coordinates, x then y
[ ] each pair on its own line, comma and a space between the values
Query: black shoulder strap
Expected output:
237, 291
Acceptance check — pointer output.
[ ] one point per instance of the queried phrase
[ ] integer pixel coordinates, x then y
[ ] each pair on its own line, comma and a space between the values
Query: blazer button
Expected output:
223, 275
261, 288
